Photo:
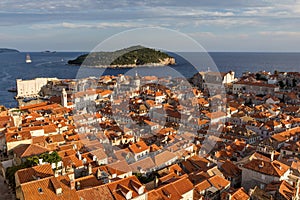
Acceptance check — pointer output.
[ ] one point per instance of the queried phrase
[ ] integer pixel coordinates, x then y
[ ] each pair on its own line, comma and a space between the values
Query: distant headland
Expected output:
6, 50
131, 57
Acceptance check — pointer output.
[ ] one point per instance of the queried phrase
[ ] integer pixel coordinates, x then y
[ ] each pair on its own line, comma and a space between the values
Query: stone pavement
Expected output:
5, 192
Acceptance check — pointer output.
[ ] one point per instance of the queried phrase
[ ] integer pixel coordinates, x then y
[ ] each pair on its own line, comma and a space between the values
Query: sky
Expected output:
72, 25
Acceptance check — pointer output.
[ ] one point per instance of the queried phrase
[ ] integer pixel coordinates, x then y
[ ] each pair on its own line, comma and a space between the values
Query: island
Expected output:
6, 50
47, 51
131, 57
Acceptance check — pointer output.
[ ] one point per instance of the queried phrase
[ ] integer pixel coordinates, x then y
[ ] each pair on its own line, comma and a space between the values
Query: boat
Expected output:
47, 51
45, 98
13, 89
27, 99
28, 59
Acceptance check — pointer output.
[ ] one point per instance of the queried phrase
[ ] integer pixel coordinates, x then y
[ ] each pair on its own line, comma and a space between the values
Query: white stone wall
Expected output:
29, 88
11, 145
251, 178
189, 195
229, 78
237, 87
38, 132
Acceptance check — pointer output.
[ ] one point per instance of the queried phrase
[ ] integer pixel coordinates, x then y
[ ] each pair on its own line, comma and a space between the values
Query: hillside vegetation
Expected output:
132, 56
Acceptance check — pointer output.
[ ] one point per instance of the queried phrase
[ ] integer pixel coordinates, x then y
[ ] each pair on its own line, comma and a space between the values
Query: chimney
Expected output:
72, 184
90, 169
139, 188
127, 193
98, 174
272, 156
71, 176
63, 171
79, 155
56, 185
78, 185
156, 182
56, 173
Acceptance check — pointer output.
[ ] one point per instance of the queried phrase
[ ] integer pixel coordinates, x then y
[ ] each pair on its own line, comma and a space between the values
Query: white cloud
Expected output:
202, 34
211, 19
280, 33
79, 25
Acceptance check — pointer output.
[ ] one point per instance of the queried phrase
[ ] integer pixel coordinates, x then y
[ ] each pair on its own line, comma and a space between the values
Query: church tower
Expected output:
136, 80
64, 98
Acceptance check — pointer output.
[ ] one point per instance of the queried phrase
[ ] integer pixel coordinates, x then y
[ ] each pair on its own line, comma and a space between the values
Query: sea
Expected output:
54, 64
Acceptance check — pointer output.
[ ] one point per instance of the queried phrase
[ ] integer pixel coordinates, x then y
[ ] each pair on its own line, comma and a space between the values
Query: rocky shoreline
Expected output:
162, 63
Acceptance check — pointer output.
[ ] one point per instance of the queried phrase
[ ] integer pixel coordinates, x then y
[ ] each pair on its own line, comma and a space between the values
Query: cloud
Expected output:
202, 34
211, 35
201, 19
213, 12
280, 33
79, 25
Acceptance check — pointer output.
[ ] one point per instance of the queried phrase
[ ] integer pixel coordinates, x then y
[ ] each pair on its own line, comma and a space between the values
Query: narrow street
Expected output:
5, 192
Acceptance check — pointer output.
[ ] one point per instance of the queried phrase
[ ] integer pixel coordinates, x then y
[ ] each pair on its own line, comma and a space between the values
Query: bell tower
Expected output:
64, 98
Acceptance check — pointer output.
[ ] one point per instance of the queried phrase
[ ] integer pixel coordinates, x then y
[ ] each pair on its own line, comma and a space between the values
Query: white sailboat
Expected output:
28, 59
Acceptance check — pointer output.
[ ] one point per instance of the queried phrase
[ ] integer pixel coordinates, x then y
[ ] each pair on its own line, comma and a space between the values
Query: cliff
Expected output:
130, 57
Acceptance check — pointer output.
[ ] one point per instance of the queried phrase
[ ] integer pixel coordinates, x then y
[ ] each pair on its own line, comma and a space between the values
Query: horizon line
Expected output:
218, 51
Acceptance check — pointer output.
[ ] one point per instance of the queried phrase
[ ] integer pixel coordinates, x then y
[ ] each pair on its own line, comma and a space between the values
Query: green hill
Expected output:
6, 50
128, 57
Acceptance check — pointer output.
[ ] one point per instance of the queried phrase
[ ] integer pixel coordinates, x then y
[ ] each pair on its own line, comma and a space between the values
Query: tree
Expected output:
260, 77
10, 173
50, 158
45, 157
281, 84
55, 158
30, 162
33, 161
294, 84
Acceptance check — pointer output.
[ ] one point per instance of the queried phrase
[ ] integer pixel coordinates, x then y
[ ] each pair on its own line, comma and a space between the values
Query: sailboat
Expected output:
28, 59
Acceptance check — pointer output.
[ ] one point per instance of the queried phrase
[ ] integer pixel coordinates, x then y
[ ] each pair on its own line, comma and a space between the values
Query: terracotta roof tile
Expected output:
44, 189
34, 173
274, 168
161, 158
126, 185
96, 193
139, 147
230, 170
219, 182
88, 182
169, 192
27, 150
144, 164
183, 185
204, 185
72, 160
240, 194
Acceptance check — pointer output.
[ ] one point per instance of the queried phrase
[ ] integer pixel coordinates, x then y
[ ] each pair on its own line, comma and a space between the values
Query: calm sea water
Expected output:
13, 66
